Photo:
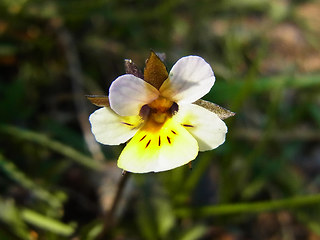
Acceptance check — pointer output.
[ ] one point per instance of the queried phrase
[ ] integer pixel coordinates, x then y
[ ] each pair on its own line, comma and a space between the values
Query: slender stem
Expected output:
254, 207
109, 218
54, 145
11, 170
68, 44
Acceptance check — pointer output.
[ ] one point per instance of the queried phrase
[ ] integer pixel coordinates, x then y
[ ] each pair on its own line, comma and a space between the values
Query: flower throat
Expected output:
158, 111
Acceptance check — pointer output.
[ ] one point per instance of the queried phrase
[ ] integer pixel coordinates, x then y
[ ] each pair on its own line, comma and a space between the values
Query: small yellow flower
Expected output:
160, 116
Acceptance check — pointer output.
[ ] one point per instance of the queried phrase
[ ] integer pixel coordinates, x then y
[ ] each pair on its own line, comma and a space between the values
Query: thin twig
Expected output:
76, 76
109, 218
54, 145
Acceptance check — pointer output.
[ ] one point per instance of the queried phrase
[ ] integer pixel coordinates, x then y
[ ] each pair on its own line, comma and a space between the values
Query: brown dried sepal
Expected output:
99, 100
162, 56
155, 71
131, 68
215, 108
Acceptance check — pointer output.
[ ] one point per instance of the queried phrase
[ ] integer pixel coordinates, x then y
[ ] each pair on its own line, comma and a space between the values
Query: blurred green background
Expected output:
56, 182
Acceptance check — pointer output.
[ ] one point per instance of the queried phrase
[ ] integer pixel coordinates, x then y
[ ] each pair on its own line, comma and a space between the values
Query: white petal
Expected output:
205, 126
112, 129
127, 94
155, 150
189, 79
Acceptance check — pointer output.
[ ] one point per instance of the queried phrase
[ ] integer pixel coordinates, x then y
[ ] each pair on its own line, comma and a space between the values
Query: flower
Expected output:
160, 115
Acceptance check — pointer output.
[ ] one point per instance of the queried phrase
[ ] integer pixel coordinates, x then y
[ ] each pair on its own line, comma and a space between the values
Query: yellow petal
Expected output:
155, 149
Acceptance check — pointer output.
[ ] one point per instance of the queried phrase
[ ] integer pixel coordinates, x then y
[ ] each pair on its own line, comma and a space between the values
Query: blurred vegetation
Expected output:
262, 183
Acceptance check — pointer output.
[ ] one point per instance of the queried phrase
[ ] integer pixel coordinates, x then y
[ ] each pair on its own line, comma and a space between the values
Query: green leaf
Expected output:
252, 207
195, 232
11, 215
15, 174
47, 223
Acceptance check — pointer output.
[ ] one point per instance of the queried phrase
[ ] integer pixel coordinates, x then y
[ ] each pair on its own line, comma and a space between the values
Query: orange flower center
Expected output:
160, 110
157, 112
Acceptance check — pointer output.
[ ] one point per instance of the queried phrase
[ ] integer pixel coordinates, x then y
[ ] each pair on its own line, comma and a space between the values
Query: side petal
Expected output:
111, 129
205, 126
189, 79
155, 150
127, 94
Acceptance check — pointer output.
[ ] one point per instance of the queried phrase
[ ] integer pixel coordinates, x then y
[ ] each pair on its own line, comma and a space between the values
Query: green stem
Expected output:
254, 207
10, 169
43, 140
46, 223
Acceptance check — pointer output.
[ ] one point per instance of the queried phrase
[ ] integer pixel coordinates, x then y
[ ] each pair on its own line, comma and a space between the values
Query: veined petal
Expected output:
111, 129
205, 126
127, 94
155, 149
189, 79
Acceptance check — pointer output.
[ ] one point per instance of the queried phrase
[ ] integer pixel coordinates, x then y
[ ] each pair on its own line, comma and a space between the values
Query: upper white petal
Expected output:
112, 129
127, 94
207, 128
189, 79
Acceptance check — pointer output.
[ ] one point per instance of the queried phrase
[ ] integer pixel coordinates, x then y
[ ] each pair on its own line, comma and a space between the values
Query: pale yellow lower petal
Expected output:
155, 149
112, 129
